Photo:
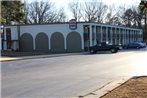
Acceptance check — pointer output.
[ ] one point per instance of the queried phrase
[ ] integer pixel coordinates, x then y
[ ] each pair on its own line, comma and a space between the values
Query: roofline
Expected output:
77, 22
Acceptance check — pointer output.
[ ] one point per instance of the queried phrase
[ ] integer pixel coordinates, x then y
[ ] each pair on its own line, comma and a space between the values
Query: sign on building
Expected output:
73, 24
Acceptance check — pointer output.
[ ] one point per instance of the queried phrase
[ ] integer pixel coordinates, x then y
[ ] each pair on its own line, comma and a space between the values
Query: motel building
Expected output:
65, 37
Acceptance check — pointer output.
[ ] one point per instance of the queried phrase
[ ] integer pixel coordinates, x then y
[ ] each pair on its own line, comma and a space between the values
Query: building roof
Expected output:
77, 23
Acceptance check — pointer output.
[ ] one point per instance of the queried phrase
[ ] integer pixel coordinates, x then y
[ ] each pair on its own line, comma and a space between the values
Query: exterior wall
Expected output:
97, 33
14, 31
50, 30
119, 35
14, 37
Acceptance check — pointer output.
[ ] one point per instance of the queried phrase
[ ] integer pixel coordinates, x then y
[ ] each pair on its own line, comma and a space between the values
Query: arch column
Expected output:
65, 42
106, 34
90, 39
111, 36
82, 37
101, 34
34, 44
115, 36
123, 32
95, 42
49, 41
119, 36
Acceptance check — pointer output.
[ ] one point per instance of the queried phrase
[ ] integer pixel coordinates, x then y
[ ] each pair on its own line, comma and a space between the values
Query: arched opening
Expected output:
41, 42
57, 43
74, 43
26, 42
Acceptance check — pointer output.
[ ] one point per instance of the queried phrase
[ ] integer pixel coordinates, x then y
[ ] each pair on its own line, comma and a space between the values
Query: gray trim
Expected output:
84, 23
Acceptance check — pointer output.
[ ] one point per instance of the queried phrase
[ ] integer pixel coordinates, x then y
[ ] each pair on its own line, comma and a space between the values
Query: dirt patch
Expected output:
133, 88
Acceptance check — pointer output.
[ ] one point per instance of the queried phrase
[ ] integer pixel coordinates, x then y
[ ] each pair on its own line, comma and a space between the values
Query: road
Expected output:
69, 76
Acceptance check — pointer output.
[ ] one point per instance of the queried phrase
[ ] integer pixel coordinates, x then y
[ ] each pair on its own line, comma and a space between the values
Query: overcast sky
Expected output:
108, 2
64, 3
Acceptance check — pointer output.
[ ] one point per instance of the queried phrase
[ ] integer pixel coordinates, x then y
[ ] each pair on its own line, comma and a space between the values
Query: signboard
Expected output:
73, 24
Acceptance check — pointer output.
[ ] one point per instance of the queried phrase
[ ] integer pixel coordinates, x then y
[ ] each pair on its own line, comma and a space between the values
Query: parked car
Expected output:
103, 46
142, 43
120, 46
136, 45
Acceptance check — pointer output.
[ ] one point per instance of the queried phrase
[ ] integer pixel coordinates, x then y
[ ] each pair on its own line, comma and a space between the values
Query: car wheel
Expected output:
125, 47
113, 50
91, 51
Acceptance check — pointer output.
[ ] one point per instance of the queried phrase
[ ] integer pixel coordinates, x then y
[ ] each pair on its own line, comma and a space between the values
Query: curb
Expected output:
99, 92
39, 56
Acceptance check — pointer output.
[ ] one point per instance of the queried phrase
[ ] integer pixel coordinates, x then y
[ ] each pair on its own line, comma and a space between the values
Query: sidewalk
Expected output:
5, 59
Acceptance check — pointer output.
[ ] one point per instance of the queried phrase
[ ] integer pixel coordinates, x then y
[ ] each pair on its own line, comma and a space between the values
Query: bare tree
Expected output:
121, 14
75, 8
94, 11
60, 16
89, 11
112, 17
44, 12
101, 12
109, 15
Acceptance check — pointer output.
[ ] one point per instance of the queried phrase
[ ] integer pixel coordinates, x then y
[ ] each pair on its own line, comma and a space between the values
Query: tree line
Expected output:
39, 12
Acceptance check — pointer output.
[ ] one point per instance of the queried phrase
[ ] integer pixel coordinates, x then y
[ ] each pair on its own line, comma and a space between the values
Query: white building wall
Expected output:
49, 29
14, 32
14, 37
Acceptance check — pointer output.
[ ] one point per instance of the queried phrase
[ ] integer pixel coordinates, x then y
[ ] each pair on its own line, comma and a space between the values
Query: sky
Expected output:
64, 3
108, 2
